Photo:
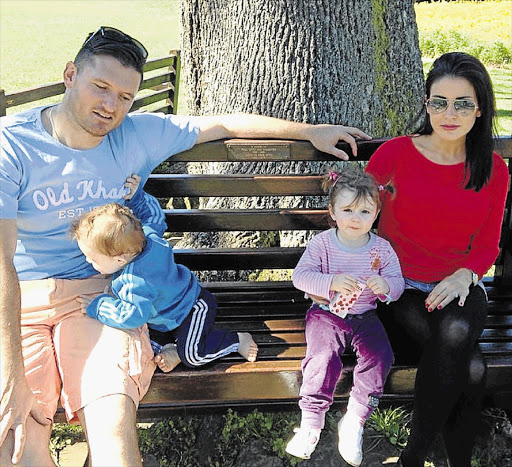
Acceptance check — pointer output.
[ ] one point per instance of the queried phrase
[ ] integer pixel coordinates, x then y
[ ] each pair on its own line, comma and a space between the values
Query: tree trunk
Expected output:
350, 62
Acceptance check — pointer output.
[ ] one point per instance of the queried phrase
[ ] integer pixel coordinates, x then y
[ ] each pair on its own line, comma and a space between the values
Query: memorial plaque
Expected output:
269, 151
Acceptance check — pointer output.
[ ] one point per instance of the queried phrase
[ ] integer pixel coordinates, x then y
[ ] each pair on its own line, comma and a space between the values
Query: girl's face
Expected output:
353, 220
450, 124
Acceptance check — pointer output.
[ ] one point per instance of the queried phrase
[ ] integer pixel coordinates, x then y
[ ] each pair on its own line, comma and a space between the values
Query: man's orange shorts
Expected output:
74, 357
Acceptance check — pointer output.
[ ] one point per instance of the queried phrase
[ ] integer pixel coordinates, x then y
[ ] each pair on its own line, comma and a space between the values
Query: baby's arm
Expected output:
146, 207
130, 308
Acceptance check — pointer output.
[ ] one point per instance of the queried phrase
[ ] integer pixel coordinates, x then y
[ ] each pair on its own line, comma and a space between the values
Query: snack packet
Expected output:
341, 303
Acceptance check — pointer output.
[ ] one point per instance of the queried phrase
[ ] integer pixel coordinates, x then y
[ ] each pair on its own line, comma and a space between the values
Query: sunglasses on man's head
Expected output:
464, 107
118, 36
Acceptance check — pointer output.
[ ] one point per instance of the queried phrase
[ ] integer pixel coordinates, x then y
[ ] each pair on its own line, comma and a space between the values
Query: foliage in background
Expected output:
482, 29
64, 435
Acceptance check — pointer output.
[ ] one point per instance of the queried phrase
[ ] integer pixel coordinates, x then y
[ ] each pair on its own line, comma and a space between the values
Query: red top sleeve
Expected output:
434, 224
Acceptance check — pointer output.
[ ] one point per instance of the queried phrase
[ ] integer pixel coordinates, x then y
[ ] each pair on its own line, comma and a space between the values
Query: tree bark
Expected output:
350, 62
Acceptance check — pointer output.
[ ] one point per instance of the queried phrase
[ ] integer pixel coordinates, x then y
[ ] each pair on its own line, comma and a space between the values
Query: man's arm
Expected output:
16, 399
323, 137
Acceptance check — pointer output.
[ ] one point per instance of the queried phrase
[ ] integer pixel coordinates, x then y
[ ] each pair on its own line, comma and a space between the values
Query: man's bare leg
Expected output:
110, 427
36, 451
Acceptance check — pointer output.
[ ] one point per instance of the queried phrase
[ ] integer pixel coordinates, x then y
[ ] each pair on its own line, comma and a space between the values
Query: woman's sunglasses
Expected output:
463, 107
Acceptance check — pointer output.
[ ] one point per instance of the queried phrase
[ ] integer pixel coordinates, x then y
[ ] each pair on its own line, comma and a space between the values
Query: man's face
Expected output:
100, 94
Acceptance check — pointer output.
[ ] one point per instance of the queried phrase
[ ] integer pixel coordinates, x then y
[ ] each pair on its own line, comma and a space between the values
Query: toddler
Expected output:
149, 287
345, 269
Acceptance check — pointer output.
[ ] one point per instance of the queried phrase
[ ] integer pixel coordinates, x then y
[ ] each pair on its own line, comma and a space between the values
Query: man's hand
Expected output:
325, 138
18, 403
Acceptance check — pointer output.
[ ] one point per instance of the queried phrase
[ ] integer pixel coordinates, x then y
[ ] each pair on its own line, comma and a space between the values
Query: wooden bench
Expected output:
273, 311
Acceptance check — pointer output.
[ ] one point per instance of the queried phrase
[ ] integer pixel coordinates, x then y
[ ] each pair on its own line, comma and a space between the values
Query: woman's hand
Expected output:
452, 287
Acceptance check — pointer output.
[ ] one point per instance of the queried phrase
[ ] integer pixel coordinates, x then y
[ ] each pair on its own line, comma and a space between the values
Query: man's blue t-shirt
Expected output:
45, 185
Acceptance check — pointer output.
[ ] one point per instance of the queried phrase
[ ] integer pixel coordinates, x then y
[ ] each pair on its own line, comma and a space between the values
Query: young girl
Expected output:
350, 268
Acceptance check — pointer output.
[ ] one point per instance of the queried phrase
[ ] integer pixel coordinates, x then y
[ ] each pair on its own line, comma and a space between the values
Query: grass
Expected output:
38, 37
489, 21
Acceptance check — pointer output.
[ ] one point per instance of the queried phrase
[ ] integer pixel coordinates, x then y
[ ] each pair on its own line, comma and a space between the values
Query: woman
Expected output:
443, 219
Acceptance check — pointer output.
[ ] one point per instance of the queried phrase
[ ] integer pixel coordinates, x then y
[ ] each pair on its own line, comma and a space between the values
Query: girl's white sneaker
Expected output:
303, 443
350, 439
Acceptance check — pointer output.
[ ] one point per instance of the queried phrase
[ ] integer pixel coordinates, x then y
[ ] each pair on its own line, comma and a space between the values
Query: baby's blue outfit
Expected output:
154, 289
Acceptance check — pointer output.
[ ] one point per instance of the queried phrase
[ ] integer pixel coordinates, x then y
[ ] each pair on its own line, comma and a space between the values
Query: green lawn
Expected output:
37, 38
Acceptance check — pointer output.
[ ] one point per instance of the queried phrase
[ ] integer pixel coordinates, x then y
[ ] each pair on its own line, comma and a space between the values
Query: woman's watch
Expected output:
474, 277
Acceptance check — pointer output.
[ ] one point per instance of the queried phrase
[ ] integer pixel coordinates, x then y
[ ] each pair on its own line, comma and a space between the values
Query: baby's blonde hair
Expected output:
112, 229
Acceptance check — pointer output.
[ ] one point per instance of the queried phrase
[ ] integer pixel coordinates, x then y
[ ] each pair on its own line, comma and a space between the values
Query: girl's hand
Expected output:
452, 287
344, 283
132, 183
84, 301
378, 285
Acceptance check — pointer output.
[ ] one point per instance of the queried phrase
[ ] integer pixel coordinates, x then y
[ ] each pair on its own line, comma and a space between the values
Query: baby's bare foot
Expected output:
247, 348
168, 359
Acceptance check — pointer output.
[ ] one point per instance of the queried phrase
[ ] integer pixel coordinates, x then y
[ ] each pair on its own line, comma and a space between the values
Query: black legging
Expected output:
451, 371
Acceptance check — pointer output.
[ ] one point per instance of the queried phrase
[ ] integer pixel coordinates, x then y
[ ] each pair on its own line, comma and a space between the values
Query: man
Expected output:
56, 163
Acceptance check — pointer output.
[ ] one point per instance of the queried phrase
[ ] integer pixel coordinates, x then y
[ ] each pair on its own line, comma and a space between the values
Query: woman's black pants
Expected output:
451, 371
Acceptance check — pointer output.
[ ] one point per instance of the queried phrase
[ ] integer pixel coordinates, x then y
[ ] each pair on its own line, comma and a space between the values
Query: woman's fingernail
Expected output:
439, 307
429, 309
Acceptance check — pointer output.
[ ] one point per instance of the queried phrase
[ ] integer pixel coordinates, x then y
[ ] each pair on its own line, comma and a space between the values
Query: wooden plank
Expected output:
34, 94
150, 99
245, 382
164, 78
158, 63
168, 185
196, 220
217, 151
242, 258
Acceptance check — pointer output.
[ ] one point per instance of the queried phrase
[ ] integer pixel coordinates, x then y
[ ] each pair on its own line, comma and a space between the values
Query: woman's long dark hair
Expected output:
479, 140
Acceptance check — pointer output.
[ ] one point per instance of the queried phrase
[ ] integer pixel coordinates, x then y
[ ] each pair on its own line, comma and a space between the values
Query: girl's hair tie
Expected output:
333, 176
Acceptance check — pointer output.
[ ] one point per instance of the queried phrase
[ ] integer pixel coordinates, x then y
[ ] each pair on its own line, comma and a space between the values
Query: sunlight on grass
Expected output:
38, 37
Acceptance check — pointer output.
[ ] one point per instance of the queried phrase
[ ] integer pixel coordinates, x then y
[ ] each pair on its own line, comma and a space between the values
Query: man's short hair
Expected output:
114, 43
